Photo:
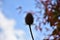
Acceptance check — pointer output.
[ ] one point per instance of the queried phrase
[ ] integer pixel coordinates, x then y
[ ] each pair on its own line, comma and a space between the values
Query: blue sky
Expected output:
9, 9
10, 6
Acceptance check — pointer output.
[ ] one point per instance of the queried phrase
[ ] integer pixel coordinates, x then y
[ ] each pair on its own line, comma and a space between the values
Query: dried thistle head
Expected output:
29, 19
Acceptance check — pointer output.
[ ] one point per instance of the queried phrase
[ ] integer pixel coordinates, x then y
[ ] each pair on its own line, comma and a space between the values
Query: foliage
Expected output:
52, 11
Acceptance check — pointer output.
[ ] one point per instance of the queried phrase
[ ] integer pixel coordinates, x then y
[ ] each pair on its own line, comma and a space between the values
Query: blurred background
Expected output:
46, 15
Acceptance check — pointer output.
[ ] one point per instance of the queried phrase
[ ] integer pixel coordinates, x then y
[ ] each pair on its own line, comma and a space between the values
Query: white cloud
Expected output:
8, 29
6, 23
20, 34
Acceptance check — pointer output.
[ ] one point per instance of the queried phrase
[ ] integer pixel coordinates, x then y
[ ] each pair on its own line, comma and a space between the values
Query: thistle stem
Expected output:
31, 32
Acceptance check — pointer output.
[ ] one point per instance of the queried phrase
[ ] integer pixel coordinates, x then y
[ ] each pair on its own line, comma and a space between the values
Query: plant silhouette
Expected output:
29, 21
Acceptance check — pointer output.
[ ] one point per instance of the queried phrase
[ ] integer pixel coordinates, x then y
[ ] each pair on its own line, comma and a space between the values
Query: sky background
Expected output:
10, 12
